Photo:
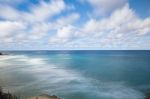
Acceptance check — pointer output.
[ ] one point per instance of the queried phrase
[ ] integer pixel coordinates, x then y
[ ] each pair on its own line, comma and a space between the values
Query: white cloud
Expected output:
106, 6
65, 31
123, 20
71, 18
40, 12
9, 13
63, 34
123, 29
39, 30
35, 21
44, 10
7, 28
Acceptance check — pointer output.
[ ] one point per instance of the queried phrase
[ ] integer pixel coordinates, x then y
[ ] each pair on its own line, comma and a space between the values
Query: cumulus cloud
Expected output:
44, 10
9, 13
29, 25
69, 19
123, 29
35, 24
125, 20
46, 23
7, 27
40, 12
106, 6
63, 34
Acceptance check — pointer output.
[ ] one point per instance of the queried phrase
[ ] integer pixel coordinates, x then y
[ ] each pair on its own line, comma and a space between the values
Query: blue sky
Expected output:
74, 24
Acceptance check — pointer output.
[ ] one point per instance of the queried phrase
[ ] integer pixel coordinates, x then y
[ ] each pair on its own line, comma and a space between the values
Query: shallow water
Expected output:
77, 74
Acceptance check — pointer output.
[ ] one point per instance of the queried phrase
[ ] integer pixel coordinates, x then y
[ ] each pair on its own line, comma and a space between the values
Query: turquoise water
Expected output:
77, 74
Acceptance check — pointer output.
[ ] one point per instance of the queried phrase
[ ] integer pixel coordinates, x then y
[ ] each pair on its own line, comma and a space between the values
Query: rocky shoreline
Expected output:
44, 96
147, 96
1, 53
8, 95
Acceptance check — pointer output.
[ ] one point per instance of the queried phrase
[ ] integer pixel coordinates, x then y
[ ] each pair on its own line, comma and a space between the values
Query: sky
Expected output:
74, 24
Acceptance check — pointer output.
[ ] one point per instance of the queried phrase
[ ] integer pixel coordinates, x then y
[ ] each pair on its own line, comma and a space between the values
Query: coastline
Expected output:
1, 53
147, 96
43, 96
4, 95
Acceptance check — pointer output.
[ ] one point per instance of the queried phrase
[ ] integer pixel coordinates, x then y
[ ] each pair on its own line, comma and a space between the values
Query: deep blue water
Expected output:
77, 74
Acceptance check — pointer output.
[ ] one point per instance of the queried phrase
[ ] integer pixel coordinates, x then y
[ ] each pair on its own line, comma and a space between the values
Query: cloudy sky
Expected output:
74, 24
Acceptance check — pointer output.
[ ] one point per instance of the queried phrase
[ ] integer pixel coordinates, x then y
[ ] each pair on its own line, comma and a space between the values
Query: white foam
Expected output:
8, 60
36, 61
9, 57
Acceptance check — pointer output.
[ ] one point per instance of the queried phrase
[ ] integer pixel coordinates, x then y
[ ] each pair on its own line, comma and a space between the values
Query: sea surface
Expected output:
77, 74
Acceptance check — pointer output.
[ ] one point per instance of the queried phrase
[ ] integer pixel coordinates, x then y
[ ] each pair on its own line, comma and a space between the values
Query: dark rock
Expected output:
7, 95
1, 53
44, 96
147, 96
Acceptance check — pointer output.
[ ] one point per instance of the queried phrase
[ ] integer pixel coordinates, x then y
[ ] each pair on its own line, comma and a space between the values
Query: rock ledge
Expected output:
44, 96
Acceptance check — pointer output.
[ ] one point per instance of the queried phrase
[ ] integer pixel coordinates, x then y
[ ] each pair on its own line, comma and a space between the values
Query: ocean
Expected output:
82, 74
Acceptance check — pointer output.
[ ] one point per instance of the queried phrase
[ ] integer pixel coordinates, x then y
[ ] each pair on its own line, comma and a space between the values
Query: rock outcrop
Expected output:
44, 96
1, 53
147, 96
7, 95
